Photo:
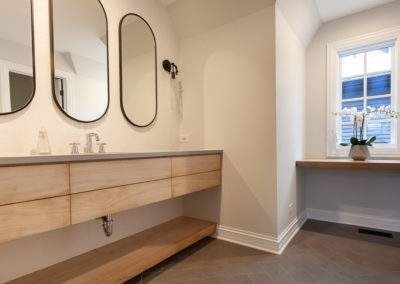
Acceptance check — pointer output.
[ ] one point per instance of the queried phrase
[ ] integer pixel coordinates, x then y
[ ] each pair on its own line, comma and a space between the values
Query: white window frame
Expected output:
334, 90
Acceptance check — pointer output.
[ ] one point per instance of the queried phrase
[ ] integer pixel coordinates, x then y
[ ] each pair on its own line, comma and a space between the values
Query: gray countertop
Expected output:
51, 159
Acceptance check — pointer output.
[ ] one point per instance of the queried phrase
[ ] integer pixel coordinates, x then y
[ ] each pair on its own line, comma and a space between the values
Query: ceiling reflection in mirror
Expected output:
138, 71
80, 58
17, 80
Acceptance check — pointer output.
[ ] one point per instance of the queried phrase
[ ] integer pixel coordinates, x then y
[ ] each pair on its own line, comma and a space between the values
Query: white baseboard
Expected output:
290, 231
258, 241
277, 245
354, 219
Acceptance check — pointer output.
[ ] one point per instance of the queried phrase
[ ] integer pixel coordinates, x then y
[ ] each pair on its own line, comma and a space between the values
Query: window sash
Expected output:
365, 96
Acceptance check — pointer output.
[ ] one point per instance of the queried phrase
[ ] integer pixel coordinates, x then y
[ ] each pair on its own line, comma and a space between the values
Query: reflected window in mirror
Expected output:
138, 71
80, 58
17, 76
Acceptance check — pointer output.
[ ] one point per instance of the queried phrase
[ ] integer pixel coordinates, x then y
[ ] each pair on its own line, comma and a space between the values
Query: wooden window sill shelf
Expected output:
349, 164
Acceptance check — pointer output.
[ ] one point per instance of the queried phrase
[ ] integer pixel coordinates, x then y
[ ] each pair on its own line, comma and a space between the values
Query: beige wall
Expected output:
228, 76
361, 196
290, 117
20, 137
22, 127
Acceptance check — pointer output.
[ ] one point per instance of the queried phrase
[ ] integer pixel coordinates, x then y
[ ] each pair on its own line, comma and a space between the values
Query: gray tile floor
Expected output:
320, 253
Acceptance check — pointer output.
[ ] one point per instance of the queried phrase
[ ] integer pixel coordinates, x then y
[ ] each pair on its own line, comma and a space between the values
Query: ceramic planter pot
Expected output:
359, 152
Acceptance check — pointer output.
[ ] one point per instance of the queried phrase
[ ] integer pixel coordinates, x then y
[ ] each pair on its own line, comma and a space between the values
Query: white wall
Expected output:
228, 76
367, 198
302, 16
367, 194
20, 130
290, 118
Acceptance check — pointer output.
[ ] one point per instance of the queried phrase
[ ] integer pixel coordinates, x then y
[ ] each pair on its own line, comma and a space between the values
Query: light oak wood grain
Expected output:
350, 164
98, 175
124, 259
24, 183
90, 205
188, 165
192, 183
29, 218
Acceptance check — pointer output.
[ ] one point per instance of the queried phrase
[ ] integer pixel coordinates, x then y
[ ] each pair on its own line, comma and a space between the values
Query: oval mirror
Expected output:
138, 70
80, 58
17, 76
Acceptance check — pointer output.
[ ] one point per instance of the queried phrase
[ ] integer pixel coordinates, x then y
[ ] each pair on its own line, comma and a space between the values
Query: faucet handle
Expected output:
74, 148
101, 147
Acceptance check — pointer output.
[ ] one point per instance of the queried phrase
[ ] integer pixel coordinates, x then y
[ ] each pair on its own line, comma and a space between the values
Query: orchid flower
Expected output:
359, 118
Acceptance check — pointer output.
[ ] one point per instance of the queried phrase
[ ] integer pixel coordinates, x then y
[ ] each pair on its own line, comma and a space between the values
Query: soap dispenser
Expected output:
43, 146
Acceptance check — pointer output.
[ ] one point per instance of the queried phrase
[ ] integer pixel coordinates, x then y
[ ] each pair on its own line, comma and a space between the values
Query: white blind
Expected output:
368, 47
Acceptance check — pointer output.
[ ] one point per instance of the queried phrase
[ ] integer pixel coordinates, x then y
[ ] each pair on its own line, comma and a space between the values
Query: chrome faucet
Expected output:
89, 144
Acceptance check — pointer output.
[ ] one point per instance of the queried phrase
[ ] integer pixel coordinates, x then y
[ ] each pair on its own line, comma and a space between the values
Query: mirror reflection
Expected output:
138, 71
17, 82
80, 67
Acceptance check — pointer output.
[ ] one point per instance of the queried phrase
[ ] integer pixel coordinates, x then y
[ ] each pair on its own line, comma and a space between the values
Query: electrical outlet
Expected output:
184, 138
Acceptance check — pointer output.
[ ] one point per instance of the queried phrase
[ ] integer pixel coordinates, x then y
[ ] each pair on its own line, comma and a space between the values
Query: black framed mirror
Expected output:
17, 64
138, 70
79, 38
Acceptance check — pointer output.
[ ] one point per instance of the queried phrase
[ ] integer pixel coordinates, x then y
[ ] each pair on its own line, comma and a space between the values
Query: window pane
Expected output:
382, 131
377, 103
353, 65
379, 84
352, 88
379, 60
347, 133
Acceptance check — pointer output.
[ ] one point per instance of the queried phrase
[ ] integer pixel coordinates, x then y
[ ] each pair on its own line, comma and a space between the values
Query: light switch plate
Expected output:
184, 138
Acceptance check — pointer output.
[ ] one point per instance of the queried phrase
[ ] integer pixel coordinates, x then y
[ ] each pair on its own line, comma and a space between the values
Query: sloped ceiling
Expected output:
193, 17
330, 10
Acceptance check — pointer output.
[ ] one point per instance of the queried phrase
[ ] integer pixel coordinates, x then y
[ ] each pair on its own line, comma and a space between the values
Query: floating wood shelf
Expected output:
350, 164
126, 258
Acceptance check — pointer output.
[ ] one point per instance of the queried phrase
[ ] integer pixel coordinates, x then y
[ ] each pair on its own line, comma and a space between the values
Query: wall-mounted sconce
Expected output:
171, 68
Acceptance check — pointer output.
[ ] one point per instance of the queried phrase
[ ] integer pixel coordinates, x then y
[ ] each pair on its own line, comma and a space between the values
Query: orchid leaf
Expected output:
371, 140
354, 141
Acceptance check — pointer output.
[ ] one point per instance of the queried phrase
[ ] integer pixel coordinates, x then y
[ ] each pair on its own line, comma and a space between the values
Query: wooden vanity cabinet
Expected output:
90, 205
188, 184
28, 218
40, 198
25, 183
195, 173
187, 165
106, 174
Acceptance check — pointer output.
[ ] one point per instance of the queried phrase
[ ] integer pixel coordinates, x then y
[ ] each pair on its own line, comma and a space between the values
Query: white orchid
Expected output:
359, 118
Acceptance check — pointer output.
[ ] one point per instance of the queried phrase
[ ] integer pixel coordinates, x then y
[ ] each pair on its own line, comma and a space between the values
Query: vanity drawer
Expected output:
195, 164
24, 183
29, 218
90, 205
192, 183
100, 175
